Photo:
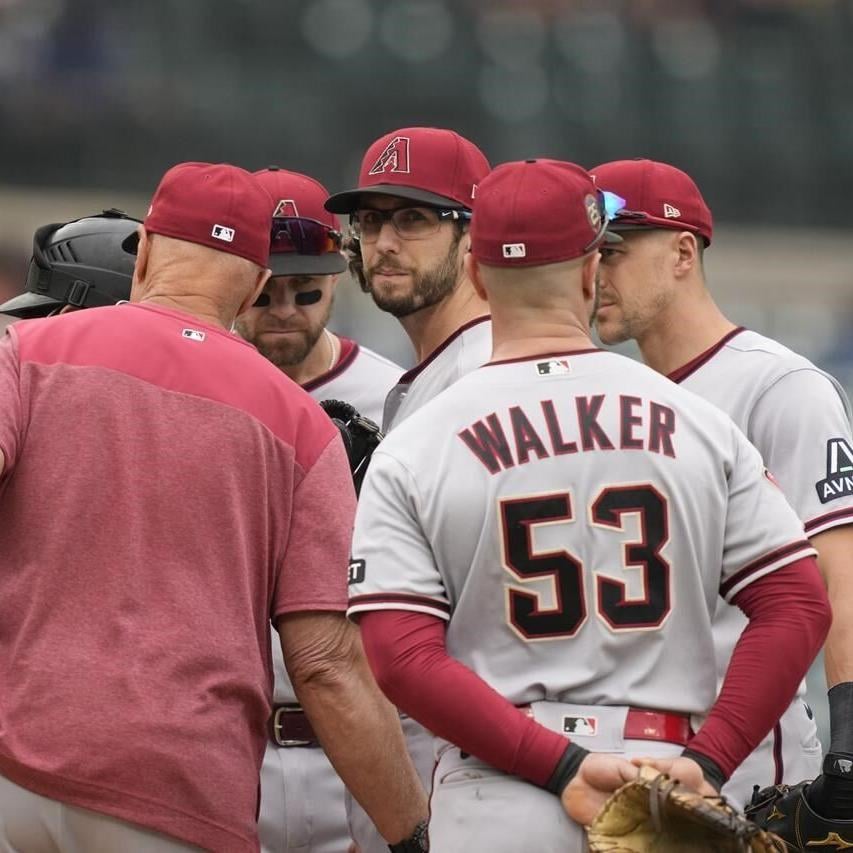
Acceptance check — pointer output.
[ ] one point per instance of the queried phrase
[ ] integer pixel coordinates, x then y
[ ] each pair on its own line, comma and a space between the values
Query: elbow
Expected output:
327, 664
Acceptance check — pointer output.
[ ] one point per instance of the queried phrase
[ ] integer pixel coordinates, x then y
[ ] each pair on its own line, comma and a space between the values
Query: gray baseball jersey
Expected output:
302, 798
361, 378
798, 417
465, 350
575, 518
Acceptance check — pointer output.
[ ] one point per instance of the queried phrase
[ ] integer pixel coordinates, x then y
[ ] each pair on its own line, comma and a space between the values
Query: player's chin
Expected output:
609, 332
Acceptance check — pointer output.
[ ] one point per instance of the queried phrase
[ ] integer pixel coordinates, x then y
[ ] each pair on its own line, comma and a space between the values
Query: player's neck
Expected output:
682, 332
517, 337
430, 327
320, 360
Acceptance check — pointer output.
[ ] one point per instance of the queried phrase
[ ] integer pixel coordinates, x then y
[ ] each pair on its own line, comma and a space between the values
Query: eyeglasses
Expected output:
410, 223
301, 236
609, 207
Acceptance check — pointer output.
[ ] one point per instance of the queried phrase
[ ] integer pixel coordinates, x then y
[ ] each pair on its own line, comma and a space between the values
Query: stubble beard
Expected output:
285, 353
429, 287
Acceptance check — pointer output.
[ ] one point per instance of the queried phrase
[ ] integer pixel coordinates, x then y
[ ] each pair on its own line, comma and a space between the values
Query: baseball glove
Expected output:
656, 813
360, 435
785, 811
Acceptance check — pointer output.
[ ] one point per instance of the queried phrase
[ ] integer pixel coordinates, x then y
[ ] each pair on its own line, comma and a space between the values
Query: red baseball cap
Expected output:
537, 212
219, 206
298, 197
656, 195
423, 164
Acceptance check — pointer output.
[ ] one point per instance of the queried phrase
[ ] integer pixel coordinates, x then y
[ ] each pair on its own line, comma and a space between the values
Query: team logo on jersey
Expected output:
839, 471
555, 365
394, 157
356, 571
671, 212
193, 334
580, 726
285, 207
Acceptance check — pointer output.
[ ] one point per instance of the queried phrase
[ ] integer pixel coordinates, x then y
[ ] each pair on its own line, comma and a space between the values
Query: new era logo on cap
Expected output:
671, 212
224, 233
514, 250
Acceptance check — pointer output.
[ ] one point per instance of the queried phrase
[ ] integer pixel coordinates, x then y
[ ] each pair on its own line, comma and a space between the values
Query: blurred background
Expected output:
752, 97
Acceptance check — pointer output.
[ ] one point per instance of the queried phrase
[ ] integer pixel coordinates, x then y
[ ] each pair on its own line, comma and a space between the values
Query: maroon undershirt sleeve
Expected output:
789, 617
409, 659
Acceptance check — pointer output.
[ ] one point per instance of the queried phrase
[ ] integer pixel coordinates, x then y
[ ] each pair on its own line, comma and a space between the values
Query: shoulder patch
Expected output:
839, 471
356, 571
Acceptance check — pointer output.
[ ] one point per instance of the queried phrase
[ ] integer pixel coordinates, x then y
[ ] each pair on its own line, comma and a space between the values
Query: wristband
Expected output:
566, 769
841, 717
714, 776
417, 842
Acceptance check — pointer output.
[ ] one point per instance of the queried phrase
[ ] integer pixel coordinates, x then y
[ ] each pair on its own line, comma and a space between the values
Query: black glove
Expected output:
360, 435
790, 812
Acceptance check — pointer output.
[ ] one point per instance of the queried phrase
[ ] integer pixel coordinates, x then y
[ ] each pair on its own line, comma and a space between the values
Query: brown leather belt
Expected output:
289, 726
643, 724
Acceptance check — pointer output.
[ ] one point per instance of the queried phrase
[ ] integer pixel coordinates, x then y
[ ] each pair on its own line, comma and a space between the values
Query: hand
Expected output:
684, 770
597, 778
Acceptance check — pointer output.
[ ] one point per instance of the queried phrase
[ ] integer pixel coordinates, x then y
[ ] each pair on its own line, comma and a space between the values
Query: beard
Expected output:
284, 352
429, 287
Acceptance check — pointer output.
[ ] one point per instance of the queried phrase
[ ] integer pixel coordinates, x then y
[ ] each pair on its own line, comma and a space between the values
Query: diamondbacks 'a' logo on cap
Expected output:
593, 213
285, 207
671, 212
839, 471
394, 157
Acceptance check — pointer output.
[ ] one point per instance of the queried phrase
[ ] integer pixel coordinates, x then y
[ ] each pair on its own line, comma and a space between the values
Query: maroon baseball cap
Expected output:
537, 212
296, 196
656, 195
215, 205
424, 164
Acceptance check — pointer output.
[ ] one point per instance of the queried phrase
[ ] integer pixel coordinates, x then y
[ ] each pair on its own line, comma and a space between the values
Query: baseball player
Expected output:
302, 797
410, 214
409, 218
652, 289
539, 550
79, 264
192, 480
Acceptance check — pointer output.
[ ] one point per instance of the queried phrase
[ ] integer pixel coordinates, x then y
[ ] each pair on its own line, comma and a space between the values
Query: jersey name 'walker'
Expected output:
594, 573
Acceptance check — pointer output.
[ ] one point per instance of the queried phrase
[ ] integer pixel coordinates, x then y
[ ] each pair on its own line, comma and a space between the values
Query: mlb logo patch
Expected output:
515, 250
224, 233
193, 334
580, 726
555, 365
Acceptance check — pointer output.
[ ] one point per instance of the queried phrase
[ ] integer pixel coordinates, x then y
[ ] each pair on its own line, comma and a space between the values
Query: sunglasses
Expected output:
301, 236
609, 206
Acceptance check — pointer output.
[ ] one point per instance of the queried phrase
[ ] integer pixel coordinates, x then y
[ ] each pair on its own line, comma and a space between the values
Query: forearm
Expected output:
360, 733
789, 618
406, 651
835, 559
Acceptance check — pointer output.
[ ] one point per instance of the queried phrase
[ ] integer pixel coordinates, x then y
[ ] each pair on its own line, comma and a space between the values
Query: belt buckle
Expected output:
277, 726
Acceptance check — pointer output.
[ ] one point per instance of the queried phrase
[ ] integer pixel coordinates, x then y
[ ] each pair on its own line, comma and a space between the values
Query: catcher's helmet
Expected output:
86, 263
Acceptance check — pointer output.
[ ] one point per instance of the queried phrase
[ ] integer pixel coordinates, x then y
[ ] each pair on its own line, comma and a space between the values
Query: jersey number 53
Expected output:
620, 613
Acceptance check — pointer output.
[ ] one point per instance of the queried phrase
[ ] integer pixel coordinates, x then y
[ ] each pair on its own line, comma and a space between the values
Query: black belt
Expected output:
289, 726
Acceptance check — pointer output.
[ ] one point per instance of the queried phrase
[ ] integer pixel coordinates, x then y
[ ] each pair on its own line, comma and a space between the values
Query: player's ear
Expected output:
140, 267
688, 254
472, 270
589, 275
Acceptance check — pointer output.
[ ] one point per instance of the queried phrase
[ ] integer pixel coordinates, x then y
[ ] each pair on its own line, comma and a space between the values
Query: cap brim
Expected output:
347, 202
293, 264
30, 305
652, 225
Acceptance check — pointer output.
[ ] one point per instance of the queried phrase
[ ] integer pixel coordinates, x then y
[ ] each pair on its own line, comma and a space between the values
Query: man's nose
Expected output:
388, 240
